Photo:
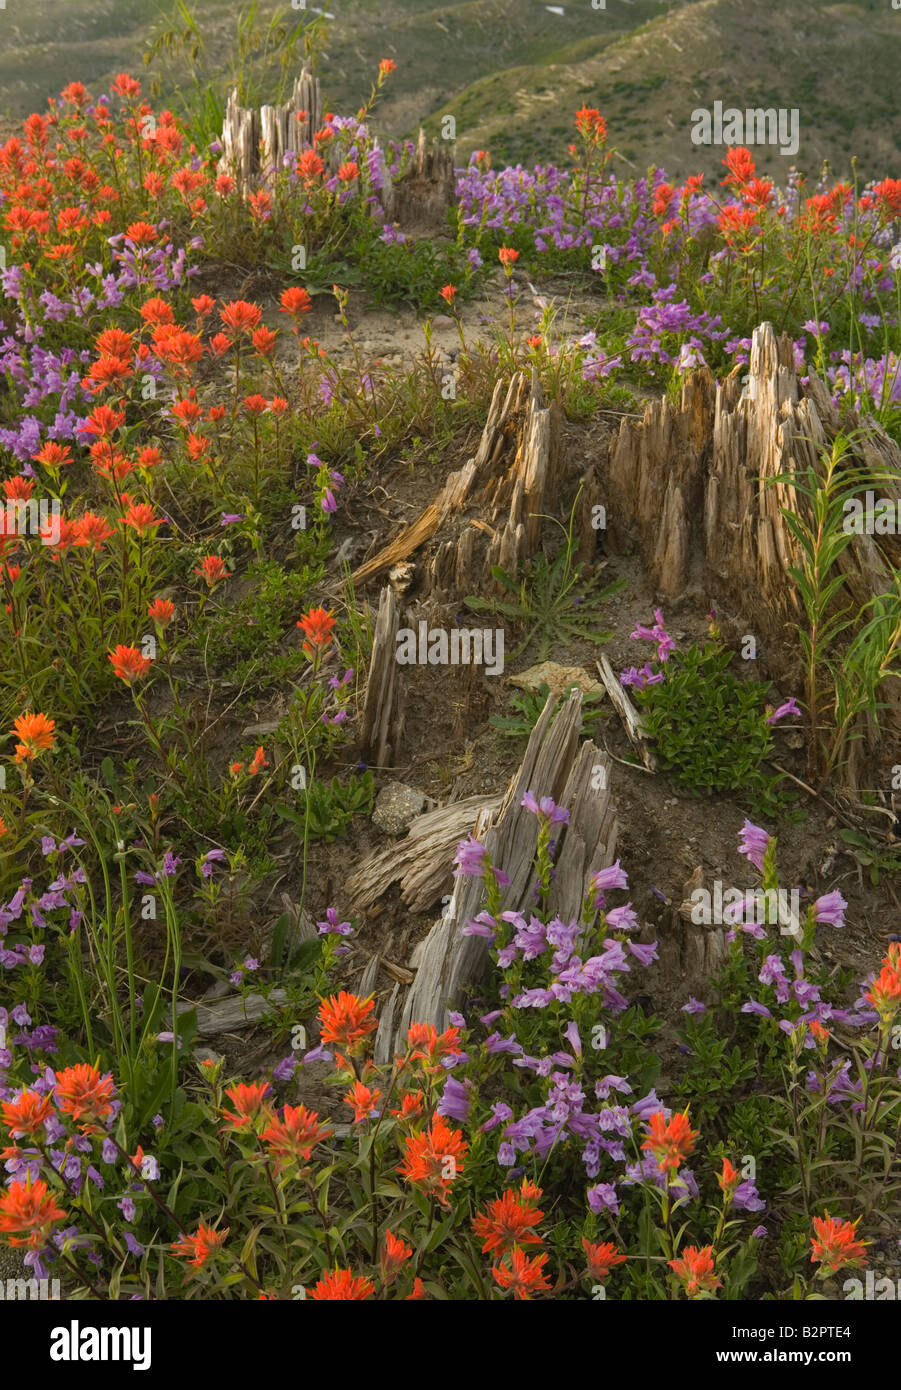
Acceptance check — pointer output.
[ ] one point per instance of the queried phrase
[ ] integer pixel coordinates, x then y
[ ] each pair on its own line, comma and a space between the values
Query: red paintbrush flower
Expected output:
601, 1258
834, 1243
523, 1275
434, 1158
340, 1284
670, 1143
27, 1212
84, 1094
346, 1019
200, 1245
26, 1114
129, 663
507, 1221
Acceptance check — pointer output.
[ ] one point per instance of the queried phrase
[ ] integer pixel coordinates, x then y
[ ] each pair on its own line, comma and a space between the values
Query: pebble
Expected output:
396, 806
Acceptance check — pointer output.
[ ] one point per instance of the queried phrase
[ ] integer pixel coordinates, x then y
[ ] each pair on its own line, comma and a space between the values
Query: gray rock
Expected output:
442, 321
396, 806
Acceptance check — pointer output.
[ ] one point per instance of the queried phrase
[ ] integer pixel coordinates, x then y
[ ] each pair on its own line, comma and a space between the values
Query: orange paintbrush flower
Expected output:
885, 990
180, 349
35, 732
240, 316
141, 518
670, 1143
129, 663
428, 1047
434, 1158
93, 531
507, 1221
200, 1245
363, 1100
694, 1270
591, 124
212, 569
114, 342
141, 233
601, 1258
294, 1136
162, 611
27, 1213
342, 1284
317, 626
26, 1114
393, 1255
18, 489
85, 1095
412, 1105
187, 412
729, 1178
524, 1275
264, 340
250, 1104
53, 455
104, 420
295, 301
157, 311
346, 1019
834, 1243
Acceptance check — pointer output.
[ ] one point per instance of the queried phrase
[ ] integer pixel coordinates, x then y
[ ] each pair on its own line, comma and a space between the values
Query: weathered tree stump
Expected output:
577, 777
489, 511
382, 719
687, 952
254, 143
422, 860
688, 485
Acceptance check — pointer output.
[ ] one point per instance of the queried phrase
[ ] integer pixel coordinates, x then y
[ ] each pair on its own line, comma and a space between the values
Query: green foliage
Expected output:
878, 859
554, 600
708, 726
263, 59
411, 271
327, 808
528, 705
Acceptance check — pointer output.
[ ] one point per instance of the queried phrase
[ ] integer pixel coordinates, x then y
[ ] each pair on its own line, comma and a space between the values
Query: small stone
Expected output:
442, 321
396, 806
557, 678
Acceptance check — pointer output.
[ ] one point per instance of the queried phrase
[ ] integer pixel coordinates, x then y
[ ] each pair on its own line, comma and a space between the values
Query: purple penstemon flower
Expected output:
622, 918
470, 857
830, 908
454, 1102
546, 809
753, 842
789, 707
331, 925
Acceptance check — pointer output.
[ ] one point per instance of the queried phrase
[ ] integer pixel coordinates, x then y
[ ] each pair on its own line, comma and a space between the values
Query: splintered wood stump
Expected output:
422, 861
382, 719
489, 511
690, 487
687, 952
254, 143
578, 778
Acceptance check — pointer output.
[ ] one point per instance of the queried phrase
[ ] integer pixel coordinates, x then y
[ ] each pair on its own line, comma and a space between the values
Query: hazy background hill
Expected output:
513, 71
